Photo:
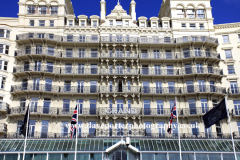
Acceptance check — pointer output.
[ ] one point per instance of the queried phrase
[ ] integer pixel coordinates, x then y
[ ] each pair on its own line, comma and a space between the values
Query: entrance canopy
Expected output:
119, 144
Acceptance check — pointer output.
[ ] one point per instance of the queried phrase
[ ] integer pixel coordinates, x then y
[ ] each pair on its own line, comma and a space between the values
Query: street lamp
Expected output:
127, 144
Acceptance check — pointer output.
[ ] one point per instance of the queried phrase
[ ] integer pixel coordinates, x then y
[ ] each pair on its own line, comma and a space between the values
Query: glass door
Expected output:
190, 87
146, 88
192, 106
234, 89
48, 85
119, 69
80, 86
148, 130
120, 128
202, 87
37, 66
199, 68
146, 107
44, 129
36, 82
80, 106
119, 105
204, 106
34, 105
157, 69
80, 68
158, 87
46, 106
32, 128
161, 130
160, 107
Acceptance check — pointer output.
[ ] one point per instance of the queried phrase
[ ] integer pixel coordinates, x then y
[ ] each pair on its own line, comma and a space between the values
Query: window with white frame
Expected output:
239, 37
2, 82
8, 34
190, 13
51, 23
201, 26
31, 9
184, 26
1, 48
142, 24
3, 65
42, 9
154, 24
192, 25
82, 38
83, 23
180, 13
70, 23
231, 69
6, 49
228, 54
126, 23
54, 10
111, 22
31, 22
2, 32
94, 23
119, 23
165, 24
41, 23
225, 39
200, 13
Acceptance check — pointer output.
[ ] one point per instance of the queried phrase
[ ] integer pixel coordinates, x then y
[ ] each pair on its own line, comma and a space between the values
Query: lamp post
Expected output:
127, 144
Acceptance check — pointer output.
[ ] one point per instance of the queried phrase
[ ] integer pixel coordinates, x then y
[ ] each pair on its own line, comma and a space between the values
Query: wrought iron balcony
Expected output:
160, 72
203, 89
202, 70
119, 39
118, 55
119, 71
77, 54
123, 89
196, 39
80, 39
158, 56
55, 89
234, 90
198, 54
52, 111
156, 40
56, 70
38, 36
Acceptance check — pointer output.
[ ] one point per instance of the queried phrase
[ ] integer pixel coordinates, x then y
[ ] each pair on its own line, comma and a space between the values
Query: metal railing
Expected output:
204, 89
31, 51
118, 55
134, 133
234, 90
116, 39
119, 71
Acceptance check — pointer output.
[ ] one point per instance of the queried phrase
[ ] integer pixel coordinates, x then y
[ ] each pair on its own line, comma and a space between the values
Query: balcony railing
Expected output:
120, 39
54, 89
117, 39
56, 111
204, 89
118, 55
120, 71
134, 133
46, 52
3, 106
57, 70
123, 89
234, 90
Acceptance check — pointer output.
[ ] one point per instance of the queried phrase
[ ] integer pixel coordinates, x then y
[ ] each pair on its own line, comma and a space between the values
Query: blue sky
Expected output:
224, 11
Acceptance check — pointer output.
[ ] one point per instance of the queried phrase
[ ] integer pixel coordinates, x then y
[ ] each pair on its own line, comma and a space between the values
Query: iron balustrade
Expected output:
47, 36
234, 90
153, 40
120, 39
123, 89
115, 55
197, 39
46, 52
77, 54
119, 71
202, 70
160, 71
78, 39
204, 89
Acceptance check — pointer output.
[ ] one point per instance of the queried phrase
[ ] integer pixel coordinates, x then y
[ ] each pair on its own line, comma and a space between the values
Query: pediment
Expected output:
118, 12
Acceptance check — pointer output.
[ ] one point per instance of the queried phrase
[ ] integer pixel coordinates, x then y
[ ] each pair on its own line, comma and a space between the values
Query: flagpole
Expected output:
76, 134
230, 128
26, 135
179, 142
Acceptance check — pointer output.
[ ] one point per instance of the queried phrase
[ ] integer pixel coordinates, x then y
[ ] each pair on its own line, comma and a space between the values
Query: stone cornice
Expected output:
227, 25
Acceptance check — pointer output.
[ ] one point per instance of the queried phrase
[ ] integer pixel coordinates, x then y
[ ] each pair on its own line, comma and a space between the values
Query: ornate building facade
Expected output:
124, 75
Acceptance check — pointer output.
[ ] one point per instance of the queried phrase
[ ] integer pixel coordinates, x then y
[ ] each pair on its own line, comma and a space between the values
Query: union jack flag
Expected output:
173, 115
73, 123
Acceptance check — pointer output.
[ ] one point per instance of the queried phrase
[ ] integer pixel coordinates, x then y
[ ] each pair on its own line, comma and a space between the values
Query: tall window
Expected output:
228, 54
80, 106
174, 129
225, 39
236, 104
219, 129
81, 52
199, 67
231, 69
92, 128
66, 106
148, 130
46, 105
192, 106
202, 87
64, 129
80, 86
32, 127
171, 87
51, 23
19, 125
129, 104
50, 67
119, 104
34, 105
93, 86
82, 38
146, 106
69, 53
146, 88
31, 9
50, 51
234, 87
159, 107
54, 10
93, 106
190, 87
110, 103
22, 103
194, 125
204, 105
197, 52
238, 126
157, 69
158, 86
161, 129
169, 70
190, 13
201, 13
68, 68
48, 85
94, 53
180, 13
67, 86
42, 9
44, 130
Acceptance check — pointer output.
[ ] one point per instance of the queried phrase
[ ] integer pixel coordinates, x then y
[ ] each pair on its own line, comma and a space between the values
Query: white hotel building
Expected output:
121, 71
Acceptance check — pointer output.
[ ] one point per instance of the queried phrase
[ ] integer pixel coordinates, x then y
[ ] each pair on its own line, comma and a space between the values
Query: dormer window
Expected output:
42, 9
154, 24
70, 23
126, 23
142, 24
119, 23
94, 23
83, 23
111, 22
165, 25
200, 14
54, 10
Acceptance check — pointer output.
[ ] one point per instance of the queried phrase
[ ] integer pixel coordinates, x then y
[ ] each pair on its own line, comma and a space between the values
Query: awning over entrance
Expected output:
66, 145
119, 144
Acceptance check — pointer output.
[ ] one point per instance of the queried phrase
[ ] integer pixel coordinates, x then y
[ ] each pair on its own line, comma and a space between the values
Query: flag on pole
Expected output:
215, 115
25, 125
73, 123
173, 115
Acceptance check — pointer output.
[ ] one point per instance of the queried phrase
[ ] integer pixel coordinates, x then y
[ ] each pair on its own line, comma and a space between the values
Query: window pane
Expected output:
148, 156
188, 156
174, 156
11, 157
54, 156
228, 157
201, 157
214, 156
40, 156
160, 156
